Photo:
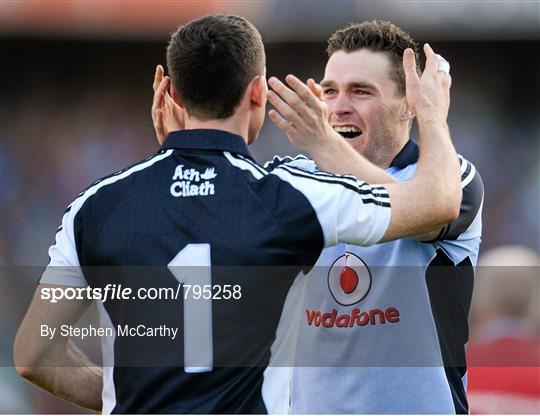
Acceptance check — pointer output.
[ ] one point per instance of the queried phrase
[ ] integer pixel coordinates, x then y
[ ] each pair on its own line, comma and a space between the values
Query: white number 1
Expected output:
191, 266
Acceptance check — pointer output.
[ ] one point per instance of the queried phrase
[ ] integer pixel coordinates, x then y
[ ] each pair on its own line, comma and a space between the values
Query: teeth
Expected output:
346, 129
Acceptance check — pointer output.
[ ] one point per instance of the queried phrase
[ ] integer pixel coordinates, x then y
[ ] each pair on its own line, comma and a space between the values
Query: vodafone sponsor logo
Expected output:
349, 282
355, 318
349, 279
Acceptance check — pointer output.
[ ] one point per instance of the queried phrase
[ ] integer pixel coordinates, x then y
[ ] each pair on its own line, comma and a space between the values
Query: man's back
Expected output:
202, 207
195, 190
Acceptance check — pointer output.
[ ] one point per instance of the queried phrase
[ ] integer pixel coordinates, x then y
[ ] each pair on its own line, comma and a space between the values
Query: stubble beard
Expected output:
383, 142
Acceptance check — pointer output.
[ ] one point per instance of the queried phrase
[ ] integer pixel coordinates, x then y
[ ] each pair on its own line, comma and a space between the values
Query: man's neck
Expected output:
386, 156
232, 124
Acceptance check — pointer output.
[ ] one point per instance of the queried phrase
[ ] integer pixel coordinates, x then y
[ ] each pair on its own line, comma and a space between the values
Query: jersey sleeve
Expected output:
473, 195
347, 210
64, 267
298, 160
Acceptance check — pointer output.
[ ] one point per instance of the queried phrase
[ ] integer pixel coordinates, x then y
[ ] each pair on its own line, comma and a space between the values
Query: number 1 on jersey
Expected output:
192, 266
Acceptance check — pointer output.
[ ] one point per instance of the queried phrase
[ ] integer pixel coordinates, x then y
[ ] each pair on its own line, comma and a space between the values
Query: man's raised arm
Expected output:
420, 205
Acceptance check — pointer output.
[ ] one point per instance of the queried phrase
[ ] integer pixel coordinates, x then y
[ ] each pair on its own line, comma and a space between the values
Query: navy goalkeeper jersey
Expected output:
202, 213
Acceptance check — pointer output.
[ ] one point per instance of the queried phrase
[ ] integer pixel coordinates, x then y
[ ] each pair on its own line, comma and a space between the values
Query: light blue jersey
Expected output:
382, 329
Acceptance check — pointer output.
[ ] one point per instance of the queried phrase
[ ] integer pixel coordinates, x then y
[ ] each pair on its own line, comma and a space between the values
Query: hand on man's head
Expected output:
167, 116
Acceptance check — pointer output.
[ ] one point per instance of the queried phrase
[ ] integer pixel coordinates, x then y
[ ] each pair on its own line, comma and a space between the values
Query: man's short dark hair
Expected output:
377, 36
211, 61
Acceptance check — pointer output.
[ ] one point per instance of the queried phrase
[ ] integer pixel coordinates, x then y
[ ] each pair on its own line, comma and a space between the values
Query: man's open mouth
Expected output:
349, 132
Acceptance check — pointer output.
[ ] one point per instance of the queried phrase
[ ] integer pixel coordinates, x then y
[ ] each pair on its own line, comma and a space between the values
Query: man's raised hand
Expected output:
428, 96
300, 113
167, 116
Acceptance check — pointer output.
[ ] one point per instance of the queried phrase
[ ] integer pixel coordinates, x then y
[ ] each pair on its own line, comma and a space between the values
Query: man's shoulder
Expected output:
468, 170
127, 171
461, 238
299, 161
112, 181
470, 175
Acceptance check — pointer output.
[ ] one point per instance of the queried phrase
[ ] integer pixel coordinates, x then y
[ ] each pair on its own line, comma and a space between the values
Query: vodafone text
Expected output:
355, 318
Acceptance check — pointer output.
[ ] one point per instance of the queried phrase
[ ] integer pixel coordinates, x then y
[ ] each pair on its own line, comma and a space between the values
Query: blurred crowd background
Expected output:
75, 106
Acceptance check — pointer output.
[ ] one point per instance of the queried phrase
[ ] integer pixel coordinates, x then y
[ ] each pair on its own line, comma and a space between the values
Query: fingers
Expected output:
160, 87
443, 71
158, 102
159, 94
303, 91
409, 66
284, 92
438, 66
158, 76
284, 109
279, 121
431, 60
442, 64
428, 95
159, 126
315, 88
292, 100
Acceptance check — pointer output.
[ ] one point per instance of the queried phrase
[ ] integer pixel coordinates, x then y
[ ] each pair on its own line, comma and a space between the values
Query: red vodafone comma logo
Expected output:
349, 281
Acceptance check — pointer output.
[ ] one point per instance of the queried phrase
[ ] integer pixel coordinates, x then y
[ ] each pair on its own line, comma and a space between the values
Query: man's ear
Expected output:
258, 91
174, 96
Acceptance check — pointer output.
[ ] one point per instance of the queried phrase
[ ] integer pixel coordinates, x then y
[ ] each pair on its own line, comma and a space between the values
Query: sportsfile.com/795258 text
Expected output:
118, 292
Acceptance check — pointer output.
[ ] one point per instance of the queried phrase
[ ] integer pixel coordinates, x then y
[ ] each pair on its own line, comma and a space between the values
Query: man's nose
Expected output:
340, 106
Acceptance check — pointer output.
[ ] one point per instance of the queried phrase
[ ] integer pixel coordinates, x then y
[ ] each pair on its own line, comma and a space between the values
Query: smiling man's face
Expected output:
364, 104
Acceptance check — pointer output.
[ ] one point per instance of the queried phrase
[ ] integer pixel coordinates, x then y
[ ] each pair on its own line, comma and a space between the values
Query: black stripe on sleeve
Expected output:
351, 178
342, 183
339, 178
331, 175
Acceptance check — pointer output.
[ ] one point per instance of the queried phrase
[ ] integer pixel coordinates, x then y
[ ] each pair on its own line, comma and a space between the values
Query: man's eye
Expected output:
361, 92
329, 91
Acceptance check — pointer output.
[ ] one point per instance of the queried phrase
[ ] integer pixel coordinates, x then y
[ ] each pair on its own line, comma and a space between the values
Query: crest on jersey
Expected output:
349, 279
192, 182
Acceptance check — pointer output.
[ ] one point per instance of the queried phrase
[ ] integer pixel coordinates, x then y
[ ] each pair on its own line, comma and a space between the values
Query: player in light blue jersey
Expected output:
380, 329
383, 329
